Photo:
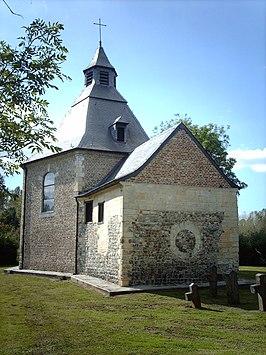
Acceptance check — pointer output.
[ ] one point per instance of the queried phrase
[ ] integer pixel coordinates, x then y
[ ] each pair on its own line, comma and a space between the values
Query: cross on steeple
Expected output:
100, 29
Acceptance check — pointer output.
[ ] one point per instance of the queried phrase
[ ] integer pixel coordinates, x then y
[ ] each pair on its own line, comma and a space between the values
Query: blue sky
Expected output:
203, 58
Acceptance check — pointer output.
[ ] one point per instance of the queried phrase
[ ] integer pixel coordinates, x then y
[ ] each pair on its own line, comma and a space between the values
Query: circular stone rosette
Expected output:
185, 239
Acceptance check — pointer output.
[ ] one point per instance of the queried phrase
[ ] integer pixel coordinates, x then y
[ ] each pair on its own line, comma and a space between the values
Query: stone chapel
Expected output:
119, 206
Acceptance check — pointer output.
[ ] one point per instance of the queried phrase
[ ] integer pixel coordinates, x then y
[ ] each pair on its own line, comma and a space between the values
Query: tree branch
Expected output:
12, 12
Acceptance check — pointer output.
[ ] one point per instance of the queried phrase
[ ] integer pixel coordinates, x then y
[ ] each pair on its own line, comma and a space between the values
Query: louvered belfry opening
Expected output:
100, 71
104, 77
88, 77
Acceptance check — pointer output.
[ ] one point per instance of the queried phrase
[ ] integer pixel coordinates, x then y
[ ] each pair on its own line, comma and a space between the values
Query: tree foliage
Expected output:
10, 213
214, 139
26, 72
252, 239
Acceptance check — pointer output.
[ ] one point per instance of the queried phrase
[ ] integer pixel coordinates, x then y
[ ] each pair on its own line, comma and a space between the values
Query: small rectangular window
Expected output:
88, 211
100, 211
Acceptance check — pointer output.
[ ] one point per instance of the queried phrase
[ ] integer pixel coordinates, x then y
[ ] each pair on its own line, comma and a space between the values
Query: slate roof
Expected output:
141, 156
100, 59
87, 125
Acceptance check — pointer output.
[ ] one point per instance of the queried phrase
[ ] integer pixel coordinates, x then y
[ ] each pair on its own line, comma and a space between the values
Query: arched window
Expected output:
48, 193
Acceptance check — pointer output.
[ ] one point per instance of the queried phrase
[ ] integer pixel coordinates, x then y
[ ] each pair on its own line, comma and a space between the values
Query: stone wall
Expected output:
99, 247
148, 238
92, 166
49, 239
169, 224
177, 238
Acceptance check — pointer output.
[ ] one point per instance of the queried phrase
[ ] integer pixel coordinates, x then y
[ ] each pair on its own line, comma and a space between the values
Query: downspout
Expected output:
76, 241
23, 220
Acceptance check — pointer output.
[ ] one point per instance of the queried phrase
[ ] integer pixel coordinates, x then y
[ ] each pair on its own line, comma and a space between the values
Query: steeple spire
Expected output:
100, 30
100, 71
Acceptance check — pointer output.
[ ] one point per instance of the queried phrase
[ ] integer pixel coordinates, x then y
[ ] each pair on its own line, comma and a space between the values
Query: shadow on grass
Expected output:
248, 301
210, 309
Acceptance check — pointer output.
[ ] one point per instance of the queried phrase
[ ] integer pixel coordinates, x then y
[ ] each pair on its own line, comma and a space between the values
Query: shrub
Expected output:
8, 250
252, 249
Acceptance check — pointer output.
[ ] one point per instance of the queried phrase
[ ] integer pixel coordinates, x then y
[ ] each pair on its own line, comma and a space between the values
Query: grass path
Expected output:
48, 316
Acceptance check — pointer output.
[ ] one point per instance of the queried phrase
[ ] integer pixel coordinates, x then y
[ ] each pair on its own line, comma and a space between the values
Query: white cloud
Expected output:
259, 168
254, 159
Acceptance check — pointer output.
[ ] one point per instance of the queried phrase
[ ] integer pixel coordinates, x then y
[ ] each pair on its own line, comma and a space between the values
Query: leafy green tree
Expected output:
26, 72
254, 222
10, 213
252, 239
3, 192
214, 139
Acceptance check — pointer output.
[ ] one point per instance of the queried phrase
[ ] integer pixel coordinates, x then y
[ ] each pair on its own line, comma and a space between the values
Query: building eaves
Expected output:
32, 159
106, 93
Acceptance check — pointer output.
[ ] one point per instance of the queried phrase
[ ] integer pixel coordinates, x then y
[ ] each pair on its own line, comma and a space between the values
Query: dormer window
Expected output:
104, 77
119, 130
88, 77
120, 133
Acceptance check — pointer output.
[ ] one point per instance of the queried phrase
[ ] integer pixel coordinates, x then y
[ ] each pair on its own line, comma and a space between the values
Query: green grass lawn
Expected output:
249, 272
49, 316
